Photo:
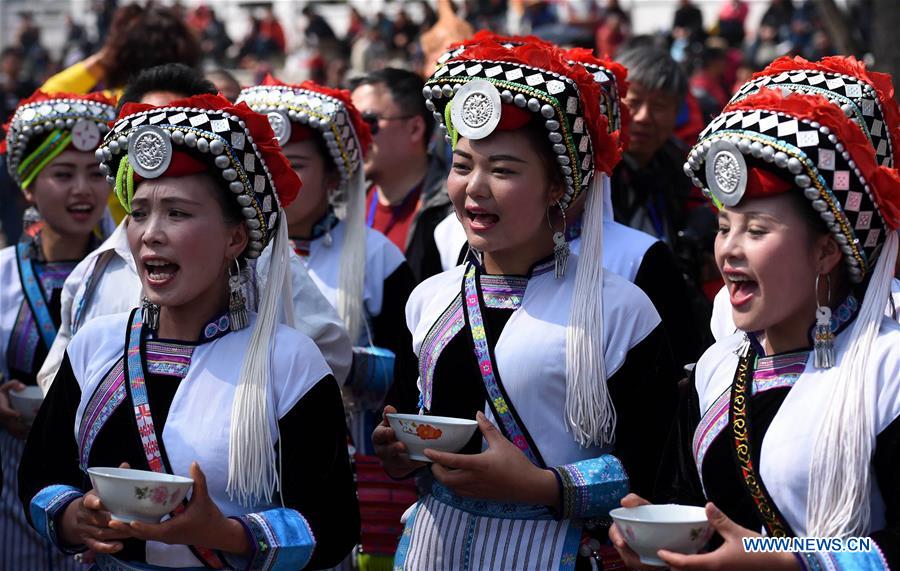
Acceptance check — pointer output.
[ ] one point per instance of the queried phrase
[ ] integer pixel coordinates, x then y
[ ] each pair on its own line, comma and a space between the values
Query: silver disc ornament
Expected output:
150, 151
475, 109
726, 172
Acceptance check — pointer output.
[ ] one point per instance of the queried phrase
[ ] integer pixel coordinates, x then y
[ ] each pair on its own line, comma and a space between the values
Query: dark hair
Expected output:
141, 38
654, 68
406, 91
536, 133
14, 51
804, 208
174, 77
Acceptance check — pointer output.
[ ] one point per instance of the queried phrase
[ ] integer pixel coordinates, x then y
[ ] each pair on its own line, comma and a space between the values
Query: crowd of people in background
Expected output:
693, 69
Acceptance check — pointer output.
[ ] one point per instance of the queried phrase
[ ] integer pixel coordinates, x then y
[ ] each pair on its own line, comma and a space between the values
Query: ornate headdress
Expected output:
209, 134
199, 134
865, 96
298, 112
44, 125
769, 143
810, 145
494, 82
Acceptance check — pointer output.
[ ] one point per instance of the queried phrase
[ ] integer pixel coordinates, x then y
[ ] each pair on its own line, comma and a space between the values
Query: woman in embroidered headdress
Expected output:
865, 96
793, 428
193, 383
50, 144
361, 273
569, 361
636, 256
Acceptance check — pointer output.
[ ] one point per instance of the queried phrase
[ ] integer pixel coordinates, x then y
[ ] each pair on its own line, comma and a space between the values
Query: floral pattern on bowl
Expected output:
160, 495
421, 429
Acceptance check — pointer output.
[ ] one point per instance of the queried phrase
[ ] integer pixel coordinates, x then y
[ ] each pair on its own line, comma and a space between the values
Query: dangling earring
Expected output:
30, 217
149, 314
823, 345
560, 246
237, 305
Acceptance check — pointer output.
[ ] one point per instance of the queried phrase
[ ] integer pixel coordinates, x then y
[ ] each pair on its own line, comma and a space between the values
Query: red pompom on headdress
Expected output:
362, 128
287, 183
849, 65
550, 58
883, 181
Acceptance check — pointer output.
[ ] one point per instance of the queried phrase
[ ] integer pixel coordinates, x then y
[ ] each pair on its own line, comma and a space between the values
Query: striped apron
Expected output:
445, 531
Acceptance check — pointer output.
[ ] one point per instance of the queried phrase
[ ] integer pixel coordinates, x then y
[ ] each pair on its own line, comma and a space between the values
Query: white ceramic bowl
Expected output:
27, 402
419, 431
138, 495
647, 529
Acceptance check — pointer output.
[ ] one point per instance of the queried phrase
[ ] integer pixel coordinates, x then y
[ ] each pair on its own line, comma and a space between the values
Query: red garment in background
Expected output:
393, 221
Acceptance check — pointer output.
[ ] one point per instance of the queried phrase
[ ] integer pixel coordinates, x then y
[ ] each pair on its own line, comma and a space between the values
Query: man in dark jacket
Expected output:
406, 199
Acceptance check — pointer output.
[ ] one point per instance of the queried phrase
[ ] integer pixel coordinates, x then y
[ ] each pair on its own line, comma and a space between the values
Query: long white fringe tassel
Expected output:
252, 473
353, 257
839, 478
589, 409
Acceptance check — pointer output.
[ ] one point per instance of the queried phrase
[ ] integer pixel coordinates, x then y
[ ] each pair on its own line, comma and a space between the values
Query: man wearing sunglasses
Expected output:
406, 199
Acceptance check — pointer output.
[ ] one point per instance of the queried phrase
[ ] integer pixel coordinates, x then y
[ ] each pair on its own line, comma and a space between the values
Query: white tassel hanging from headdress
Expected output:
353, 257
590, 413
252, 473
840, 483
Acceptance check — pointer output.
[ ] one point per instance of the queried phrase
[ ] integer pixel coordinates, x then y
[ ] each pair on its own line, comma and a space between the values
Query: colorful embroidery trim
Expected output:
139, 399
740, 429
497, 401
503, 292
168, 359
442, 332
110, 393
34, 293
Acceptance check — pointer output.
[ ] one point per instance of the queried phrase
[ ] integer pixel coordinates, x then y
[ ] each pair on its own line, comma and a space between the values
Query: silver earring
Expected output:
560, 245
149, 314
823, 344
237, 304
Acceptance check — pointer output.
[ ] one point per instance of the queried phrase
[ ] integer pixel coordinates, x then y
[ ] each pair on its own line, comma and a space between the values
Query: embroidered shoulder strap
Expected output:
34, 294
137, 392
96, 273
776, 526
498, 400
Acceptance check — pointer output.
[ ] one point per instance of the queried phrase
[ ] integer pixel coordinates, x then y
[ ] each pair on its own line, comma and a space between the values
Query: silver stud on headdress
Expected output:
726, 172
475, 109
281, 126
149, 151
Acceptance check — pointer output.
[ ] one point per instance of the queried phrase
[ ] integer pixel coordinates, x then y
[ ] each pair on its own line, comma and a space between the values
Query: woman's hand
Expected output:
501, 473
10, 418
730, 555
629, 557
201, 524
86, 522
393, 453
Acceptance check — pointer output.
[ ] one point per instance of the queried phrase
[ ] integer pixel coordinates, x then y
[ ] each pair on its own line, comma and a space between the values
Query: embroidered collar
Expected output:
320, 229
507, 291
214, 329
841, 318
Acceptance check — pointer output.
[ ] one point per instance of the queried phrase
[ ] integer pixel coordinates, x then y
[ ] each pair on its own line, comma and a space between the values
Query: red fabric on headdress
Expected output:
548, 57
584, 55
300, 133
884, 182
40, 95
512, 117
849, 65
287, 183
763, 182
363, 131
182, 164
